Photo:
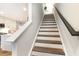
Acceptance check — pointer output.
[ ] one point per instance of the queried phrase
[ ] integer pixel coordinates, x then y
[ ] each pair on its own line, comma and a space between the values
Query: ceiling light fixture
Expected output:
24, 9
1, 13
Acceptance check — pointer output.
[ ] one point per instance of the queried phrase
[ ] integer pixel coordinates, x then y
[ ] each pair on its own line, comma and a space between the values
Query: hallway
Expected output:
48, 41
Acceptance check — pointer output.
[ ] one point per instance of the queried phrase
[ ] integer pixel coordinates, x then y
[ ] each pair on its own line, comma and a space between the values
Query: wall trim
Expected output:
69, 27
61, 38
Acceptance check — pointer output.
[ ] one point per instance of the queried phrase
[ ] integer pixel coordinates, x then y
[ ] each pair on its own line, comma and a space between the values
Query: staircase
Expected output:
48, 41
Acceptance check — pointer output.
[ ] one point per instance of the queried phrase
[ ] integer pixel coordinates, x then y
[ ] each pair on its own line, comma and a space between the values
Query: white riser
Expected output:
49, 38
48, 33
48, 23
49, 26
49, 29
43, 54
49, 45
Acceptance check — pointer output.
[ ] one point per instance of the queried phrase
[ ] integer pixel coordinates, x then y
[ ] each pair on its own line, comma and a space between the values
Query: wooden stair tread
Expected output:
49, 50
48, 33
59, 46
48, 29
36, 53
49, 41
49, 26
49, 23
48, 19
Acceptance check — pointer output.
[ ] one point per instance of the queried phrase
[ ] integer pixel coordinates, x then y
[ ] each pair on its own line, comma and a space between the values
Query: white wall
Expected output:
23, 43
71, 13
14, 11
49, 8
70, 43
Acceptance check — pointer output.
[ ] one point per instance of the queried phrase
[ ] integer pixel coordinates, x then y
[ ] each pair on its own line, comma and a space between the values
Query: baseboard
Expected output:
61, 38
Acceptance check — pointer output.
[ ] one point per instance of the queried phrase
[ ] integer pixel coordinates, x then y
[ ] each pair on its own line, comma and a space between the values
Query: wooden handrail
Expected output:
69, 27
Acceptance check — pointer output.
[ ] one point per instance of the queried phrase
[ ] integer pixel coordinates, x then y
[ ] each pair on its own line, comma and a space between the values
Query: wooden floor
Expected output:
48, 41
5, 53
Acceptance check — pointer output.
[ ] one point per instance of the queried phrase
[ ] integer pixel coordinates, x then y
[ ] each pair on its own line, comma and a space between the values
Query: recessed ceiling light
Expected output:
24, 9
1, 13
